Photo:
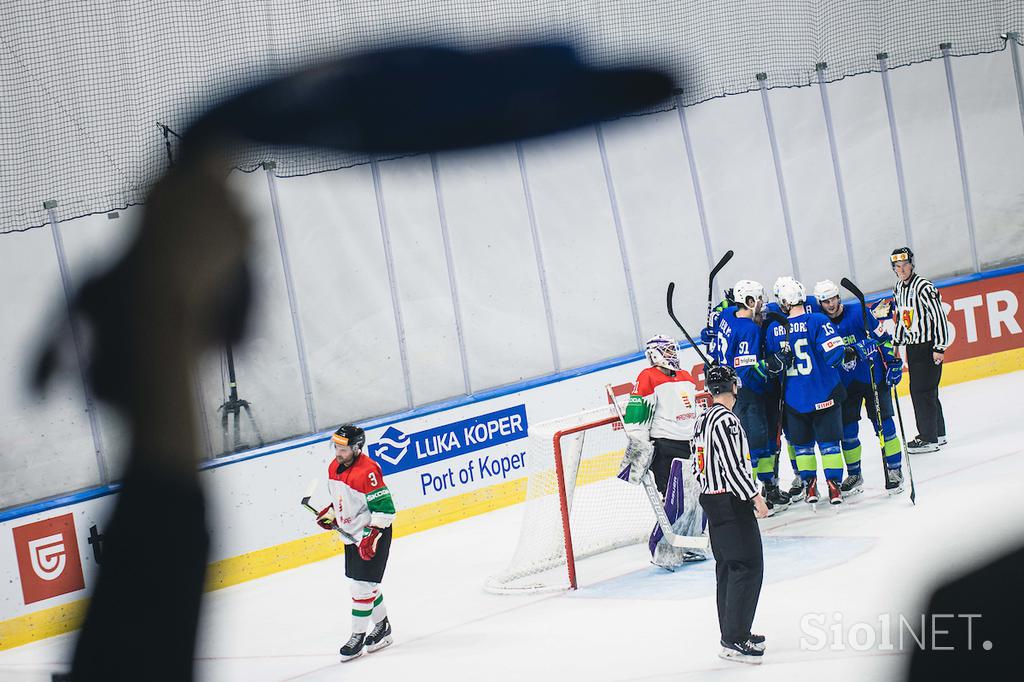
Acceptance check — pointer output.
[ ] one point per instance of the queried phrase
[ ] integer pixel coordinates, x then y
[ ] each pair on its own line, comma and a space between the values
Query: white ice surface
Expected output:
629, 621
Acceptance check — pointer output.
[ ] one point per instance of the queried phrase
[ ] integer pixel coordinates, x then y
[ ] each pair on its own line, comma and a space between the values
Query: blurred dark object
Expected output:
973, 625
422, 99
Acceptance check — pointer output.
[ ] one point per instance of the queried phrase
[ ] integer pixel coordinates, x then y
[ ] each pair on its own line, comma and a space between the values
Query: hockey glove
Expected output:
894, 372
707, 337
368, 545
865, 349
639, 453
849, 358
778, 362
883, 309
325, 519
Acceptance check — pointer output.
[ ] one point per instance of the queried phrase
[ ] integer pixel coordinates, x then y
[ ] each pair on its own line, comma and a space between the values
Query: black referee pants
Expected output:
924, 391
739, 562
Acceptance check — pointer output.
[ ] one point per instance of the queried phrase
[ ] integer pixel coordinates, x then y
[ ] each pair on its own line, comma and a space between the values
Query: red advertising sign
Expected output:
986, 316
48, 560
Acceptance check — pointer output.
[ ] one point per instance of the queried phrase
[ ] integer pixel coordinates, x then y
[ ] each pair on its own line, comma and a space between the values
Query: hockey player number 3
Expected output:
373, 479
803, 359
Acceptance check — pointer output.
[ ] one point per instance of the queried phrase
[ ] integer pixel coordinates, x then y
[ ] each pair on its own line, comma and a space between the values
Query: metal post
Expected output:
76, 336
541, 273
961, 158
389, 264
695, 180
1012, 38
450, 265
883, 65
836, 171
293, 302
762, 84
617, 218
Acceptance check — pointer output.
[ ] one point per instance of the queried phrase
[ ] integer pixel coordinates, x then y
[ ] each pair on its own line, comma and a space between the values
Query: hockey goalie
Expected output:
659, 420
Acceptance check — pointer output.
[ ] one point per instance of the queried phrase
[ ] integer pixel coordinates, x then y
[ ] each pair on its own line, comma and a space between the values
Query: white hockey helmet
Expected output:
785, 279
662, 351
790, 292
747, 288
825, 289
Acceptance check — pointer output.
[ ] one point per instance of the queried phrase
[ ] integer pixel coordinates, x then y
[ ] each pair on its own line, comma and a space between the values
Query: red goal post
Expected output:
575, 505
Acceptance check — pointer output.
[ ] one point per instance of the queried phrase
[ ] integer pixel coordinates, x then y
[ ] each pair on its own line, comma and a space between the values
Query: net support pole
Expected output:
293, 301
539, 254
762, 79
76, 337
698, 195
894, 136
960, 154
389, 264
449, 261
1012, 38
844, 214
620, 234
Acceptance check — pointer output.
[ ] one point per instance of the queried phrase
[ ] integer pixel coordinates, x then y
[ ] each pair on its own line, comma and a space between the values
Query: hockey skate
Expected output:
671, 558
894, 481
812, 491
354, 647
943, 440
796, 489
835, 493
853, 485
379, 637
742, 652
918, 446
775, 497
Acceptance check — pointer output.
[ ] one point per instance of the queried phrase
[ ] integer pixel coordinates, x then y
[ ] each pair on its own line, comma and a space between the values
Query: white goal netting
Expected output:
603, 511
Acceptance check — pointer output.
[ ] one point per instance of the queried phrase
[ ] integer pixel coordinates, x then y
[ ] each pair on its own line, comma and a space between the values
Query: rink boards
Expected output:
444, 463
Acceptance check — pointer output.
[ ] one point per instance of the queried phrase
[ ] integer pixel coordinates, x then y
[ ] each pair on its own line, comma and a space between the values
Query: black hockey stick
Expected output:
855, 290
316, 512
672, 314
783, 321
711, 281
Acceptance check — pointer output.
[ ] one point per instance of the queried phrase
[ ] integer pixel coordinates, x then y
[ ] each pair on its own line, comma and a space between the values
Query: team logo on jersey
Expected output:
391, 446
700, 458
907, 315
48, 559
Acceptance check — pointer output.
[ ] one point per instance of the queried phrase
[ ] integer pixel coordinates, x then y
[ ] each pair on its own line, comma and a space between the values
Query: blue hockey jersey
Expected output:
738, 344
811, 380
850, 326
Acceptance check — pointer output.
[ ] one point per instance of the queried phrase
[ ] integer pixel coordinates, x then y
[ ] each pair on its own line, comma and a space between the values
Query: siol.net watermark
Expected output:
894, 632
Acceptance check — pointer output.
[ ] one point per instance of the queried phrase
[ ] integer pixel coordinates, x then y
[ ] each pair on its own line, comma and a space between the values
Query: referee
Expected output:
731, 501
921, 326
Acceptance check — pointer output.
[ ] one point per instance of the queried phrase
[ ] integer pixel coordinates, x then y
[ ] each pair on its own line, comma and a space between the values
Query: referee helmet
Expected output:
719, 379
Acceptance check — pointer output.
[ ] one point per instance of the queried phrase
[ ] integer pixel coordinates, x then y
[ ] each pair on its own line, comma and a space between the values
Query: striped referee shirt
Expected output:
722, 462
919, 314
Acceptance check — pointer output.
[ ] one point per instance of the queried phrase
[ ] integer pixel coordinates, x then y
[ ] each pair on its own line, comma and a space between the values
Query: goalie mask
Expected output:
661, 351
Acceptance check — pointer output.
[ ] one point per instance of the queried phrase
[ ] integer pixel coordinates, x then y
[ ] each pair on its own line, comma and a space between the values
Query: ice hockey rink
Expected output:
869, 561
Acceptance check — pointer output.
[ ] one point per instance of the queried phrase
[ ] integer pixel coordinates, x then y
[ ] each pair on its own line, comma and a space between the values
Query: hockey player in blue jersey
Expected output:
874, 354
809, 353
739, 345
776, 422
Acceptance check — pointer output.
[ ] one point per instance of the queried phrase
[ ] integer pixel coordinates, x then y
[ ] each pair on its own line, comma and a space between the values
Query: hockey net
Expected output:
575, 505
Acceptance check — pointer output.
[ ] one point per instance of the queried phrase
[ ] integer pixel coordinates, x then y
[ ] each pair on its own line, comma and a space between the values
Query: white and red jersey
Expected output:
359, 496
662, 406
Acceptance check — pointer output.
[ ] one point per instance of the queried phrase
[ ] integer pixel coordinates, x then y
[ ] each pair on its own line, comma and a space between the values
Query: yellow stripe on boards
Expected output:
970, 369
56, 620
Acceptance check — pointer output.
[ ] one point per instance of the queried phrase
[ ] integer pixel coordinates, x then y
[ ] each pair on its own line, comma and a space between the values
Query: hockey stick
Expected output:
855, 290
783, 321
903, 435
711, 282
316, 512
671, 313
647, 481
